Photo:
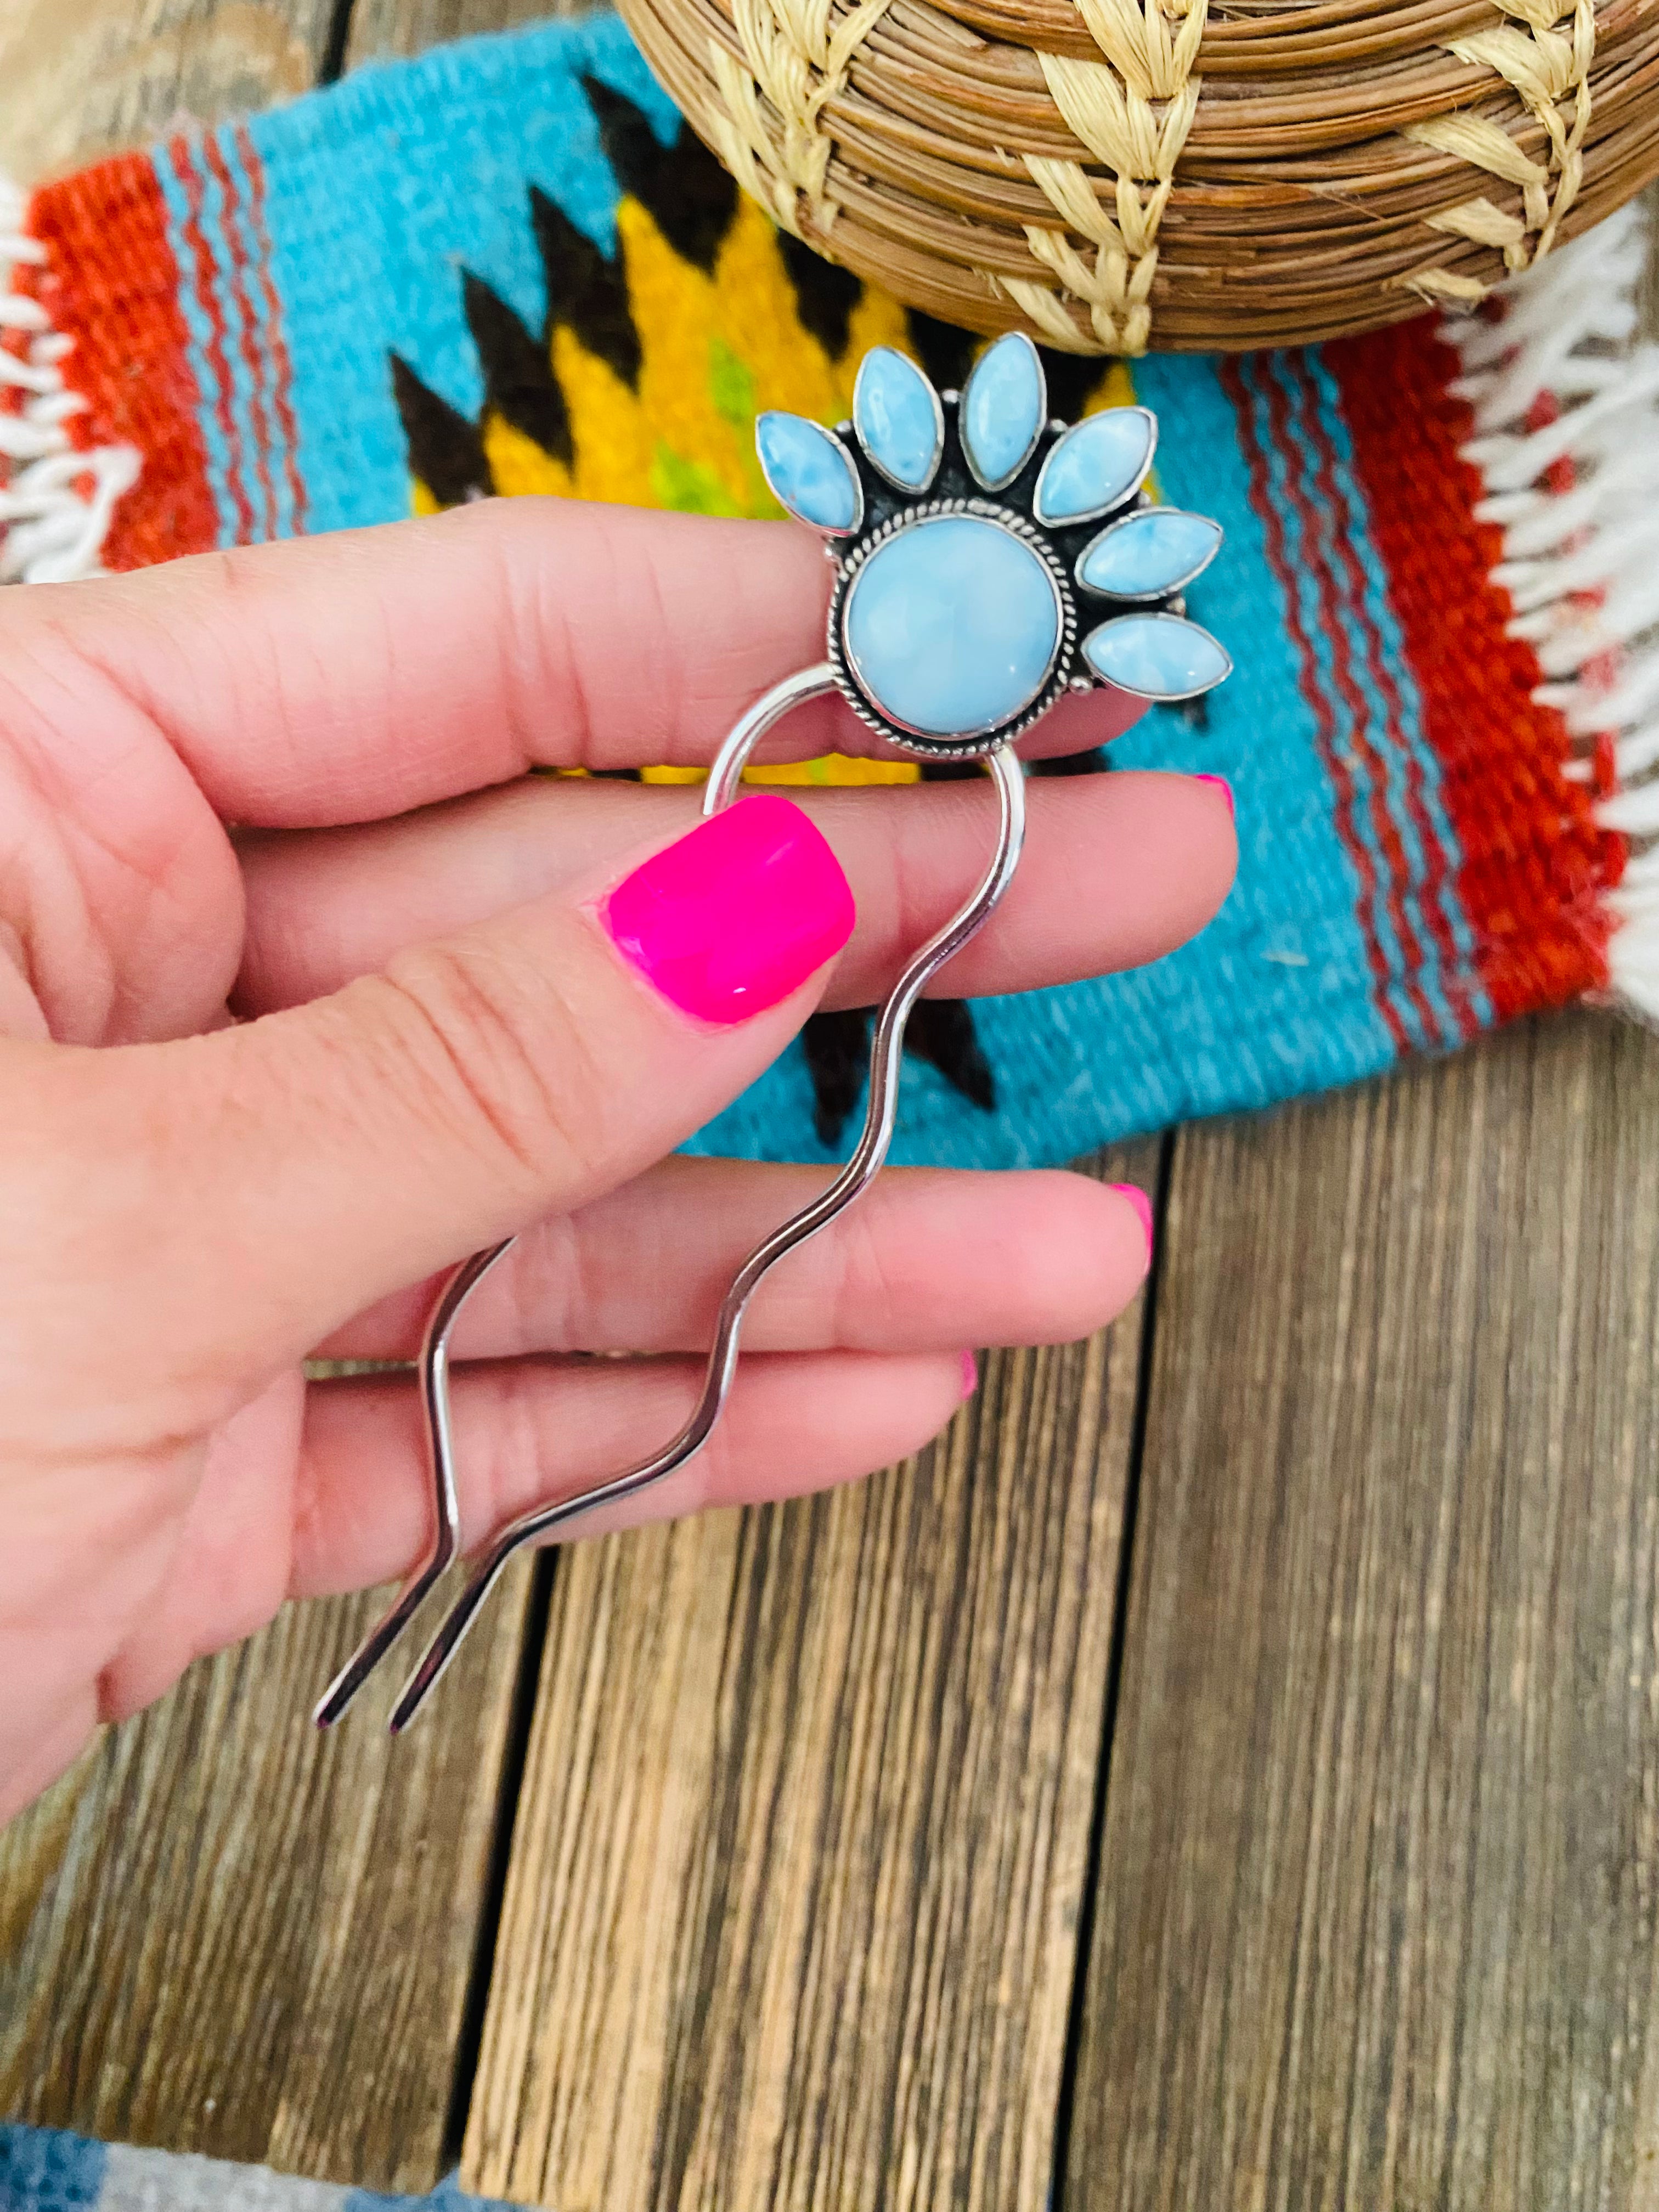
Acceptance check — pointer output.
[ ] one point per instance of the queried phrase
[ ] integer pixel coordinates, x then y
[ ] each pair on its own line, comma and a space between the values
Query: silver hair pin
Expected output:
968, 533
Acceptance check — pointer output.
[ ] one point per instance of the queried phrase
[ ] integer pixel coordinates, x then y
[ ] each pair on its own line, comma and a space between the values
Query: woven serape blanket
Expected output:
507, 268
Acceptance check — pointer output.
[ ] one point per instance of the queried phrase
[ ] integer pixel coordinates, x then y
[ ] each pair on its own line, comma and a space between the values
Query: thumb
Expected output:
317, 1159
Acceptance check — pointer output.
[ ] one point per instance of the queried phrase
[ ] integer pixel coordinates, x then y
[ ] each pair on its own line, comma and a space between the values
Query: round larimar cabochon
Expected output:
952, 627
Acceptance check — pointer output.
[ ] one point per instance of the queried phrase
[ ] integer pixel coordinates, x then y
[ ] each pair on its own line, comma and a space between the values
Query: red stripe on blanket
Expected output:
1534, 868
1264, 498
1434, 884
110, 286
242, 252
207, 298
282, 369
1320, 518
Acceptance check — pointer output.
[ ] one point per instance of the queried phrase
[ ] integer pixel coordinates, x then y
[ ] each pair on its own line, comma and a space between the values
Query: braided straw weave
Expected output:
1112, 174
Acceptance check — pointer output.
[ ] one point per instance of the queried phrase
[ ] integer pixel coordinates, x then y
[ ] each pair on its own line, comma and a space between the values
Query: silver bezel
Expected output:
1167, 591
1158, 698
1106, 506
969, 744
1001, 482
909, 490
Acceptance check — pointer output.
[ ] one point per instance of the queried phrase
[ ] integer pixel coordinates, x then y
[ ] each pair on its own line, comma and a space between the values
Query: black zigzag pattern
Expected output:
681, 186
519, 382
445, 449
586, 292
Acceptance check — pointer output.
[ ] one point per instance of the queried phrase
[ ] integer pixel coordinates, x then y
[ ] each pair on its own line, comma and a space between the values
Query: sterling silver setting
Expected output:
970, 744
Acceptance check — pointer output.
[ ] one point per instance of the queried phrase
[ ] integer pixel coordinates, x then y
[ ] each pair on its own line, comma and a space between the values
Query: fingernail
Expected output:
1224, 787
736, 915
969, 1375
1139, 1200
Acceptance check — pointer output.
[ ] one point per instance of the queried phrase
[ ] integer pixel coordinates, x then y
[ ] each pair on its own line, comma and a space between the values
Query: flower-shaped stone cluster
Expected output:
969, 531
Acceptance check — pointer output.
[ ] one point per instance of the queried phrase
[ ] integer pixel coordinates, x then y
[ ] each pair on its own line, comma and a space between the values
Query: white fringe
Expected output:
55, 503
1582, 564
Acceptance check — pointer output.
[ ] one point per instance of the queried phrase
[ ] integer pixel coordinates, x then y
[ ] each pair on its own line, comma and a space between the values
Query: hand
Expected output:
260, 1085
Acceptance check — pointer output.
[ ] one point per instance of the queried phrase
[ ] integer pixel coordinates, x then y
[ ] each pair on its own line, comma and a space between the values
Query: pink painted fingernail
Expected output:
1141, 1203
969, 1375
1224, 787
735, 915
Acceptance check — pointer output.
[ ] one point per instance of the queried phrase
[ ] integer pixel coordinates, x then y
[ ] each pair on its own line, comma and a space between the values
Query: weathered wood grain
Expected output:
381, 29
1376, 1913
225, 1933
791, 1915
79, 78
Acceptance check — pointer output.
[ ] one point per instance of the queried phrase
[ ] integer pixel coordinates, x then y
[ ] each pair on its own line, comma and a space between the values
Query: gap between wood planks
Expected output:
332, 66
537, 1613
1060, 2191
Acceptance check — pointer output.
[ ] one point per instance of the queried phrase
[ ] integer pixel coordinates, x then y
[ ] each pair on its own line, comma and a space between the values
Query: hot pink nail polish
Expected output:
732, 918
1224, 787
970, 1376
1143, 1206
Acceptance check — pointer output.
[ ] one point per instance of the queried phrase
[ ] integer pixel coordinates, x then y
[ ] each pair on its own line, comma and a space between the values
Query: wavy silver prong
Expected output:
855, 1177
444, 1542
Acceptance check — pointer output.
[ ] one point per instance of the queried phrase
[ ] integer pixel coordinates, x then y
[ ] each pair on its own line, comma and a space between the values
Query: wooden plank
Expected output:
80, 78
383, 28
1375, 1922
225, 1933
790, 1914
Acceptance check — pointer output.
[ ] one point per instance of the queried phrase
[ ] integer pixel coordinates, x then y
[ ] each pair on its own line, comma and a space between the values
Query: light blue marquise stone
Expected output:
1159, 656
1098, 462
896, 417
1149, 554
953, 626
810, 473
1002, 408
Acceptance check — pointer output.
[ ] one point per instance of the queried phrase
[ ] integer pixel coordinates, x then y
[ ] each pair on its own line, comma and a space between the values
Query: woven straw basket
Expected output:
1112, 174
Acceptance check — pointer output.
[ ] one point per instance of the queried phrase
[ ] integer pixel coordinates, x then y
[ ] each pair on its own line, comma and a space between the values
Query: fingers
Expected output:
532, 1432
359, 674
336, 1151
927, 1260
1118, 870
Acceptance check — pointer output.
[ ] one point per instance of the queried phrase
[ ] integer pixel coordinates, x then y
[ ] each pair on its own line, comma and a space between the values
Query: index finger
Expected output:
348, 677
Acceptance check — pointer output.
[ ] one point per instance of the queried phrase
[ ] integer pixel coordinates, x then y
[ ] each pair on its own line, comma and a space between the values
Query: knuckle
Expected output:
546, 1286
582, 1299
517, 1468
929, 873
865, 1292
499, 1060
